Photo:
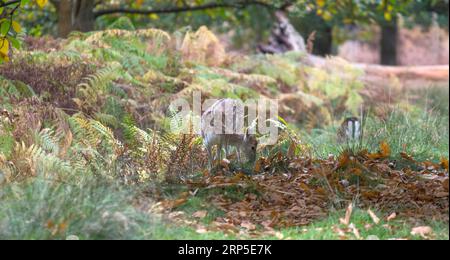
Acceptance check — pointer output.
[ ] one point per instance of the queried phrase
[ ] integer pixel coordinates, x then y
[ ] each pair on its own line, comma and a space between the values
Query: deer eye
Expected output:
253, 148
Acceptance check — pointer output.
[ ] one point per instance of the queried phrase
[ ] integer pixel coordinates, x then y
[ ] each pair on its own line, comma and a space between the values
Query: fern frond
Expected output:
83, 132
92, 133
107, 119
102, 78
48, 140
51, 164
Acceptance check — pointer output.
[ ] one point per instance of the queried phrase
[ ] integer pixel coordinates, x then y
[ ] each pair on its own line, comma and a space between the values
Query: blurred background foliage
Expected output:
85, 112
245, 22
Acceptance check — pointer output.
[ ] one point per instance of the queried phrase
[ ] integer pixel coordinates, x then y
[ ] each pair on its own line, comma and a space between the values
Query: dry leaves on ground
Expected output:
307, 188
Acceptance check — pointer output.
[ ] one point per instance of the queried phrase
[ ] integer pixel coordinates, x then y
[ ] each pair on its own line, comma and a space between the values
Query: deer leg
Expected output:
227, 151
210, 157
219, 151
238, 153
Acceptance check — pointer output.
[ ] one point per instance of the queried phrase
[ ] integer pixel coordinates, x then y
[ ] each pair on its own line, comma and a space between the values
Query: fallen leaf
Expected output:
392, 216
374, 217
445, 184
388, 227
200, 214
225, 227
305, 187
385, 150
176, 214
344, 160
348, 215
258, 166
249, 226
356, 171
441, 194
339, 232
49, 224
279, 235
407, 156
201, 230
177, 203
444, 163
423, 231
355, 231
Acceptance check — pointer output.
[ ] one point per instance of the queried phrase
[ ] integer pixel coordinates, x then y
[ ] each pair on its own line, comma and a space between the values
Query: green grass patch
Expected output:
88, 208
424, 135
327, 229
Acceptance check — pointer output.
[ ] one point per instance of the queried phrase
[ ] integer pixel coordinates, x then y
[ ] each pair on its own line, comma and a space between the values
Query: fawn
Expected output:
228, 132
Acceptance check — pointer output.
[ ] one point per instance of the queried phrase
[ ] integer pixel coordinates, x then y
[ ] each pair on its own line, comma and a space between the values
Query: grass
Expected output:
326, 229
88, 209
417, 132
434, 99
88, 206
92, 208
397, 229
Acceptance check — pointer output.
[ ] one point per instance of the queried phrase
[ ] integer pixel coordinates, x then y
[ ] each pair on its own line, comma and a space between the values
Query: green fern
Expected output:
14, 88
129, 130
48, 140
101, 80
93, 134
96, 86
107, 119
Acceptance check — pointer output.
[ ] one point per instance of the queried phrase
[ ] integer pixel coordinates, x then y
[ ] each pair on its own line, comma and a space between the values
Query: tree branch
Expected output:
239, 4
3, 4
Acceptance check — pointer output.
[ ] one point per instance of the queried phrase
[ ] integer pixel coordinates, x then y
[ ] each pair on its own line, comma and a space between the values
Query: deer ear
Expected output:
252, 127
246, 134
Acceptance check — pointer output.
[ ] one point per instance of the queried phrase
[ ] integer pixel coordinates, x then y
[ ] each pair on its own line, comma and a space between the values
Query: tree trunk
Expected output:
323, 45
64, 10
83, 15
389, 37
74, 15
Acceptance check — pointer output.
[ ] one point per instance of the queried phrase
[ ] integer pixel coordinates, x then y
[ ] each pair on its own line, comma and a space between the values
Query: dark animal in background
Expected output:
350, 130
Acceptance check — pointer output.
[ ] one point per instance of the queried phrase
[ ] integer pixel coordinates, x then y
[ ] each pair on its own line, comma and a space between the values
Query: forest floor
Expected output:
86, 150
360, 195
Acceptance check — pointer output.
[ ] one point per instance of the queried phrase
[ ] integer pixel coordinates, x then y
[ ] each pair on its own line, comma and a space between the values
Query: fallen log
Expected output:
434, 73
284, 37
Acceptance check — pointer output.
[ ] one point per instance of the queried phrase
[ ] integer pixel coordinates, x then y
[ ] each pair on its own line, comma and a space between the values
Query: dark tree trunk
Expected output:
83, 15
64, 10
389, 37
74, 15
323, 45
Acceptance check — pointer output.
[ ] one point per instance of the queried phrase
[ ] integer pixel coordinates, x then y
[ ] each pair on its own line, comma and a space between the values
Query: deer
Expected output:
228, 131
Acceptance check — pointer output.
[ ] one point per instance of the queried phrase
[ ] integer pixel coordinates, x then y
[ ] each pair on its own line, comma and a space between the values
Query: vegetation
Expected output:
245, 19
86, 151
